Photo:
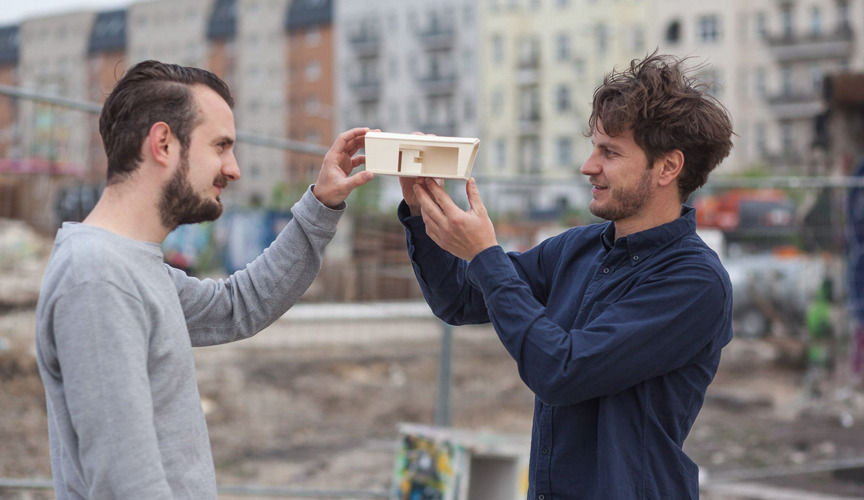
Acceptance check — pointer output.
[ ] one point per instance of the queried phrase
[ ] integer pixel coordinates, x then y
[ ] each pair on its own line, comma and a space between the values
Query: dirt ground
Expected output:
322, 413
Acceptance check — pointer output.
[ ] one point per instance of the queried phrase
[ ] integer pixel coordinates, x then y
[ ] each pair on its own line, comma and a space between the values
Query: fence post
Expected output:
443, 408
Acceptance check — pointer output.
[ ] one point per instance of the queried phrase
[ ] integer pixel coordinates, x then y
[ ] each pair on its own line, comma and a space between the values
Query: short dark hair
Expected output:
666, 109
151, 92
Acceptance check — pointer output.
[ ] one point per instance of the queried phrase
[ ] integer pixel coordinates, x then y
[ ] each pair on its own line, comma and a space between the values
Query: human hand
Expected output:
407, 184
464, 234
334, 182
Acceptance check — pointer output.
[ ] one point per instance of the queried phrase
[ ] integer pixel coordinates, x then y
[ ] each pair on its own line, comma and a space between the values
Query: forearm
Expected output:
251, 299
613, 346
441, 276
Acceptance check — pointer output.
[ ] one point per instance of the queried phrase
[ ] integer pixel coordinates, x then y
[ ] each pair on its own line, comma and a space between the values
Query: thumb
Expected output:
474, 196
359, 179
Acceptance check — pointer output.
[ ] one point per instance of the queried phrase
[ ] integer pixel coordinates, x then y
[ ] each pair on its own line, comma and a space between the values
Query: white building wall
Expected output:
170, 31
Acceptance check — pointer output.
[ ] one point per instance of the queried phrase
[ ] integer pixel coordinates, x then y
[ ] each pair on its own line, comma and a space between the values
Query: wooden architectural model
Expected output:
420, 155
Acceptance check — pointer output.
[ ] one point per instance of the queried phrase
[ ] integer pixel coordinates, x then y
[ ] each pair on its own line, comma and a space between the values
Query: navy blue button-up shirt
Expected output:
618, 340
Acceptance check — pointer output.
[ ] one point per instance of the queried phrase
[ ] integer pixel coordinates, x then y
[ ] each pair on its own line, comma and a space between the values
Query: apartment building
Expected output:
260, 96
407, 65
171, 31
53, 50
106, 62
768, 60
9, 130
540, 62
310, 87
221, 41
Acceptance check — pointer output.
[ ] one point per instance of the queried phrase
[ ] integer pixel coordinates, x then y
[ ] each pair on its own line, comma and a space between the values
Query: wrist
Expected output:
324, 198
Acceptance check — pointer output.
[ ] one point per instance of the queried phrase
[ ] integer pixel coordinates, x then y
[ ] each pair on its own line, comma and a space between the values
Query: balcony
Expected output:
796, 105
835, 45
365, 43
366, 90
437, 38
436, 84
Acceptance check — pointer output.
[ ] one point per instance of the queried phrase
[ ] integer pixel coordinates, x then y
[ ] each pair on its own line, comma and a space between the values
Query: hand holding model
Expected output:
335, 181
463, 234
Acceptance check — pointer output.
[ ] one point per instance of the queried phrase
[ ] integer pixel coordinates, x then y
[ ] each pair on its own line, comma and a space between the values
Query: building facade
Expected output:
540, 62
404, 66
310, 87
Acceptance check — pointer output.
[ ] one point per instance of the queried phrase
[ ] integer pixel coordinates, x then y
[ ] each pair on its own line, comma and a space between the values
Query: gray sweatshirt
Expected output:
115, 329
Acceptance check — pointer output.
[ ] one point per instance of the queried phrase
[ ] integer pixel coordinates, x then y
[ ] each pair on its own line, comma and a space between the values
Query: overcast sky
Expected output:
14, 11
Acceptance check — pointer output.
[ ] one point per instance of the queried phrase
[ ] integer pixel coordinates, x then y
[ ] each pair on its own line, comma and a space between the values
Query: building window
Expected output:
530, 160
786, 137
708, 29
470, 113
313, 37
637, 38
562, 4
468, 15
312, 72
787, 20
759, 82
534, 4
497, 49
313, 105
394, 67
673, 32
562, 98
843, 13
786, 80
497, 104
565, 151
580, 68
761, 26
601, 34
816, 76
816, 21
500, 152
562, 47
761, 139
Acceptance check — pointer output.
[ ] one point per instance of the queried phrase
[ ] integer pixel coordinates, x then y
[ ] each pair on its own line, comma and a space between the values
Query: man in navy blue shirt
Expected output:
616, 327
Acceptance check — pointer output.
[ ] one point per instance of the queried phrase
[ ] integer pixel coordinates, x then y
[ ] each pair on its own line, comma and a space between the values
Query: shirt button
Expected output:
541, 497
635, 257
545, 451
605, 270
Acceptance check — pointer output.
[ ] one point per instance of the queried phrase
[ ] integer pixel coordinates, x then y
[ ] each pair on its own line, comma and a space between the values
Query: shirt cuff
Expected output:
490, 268
310, 209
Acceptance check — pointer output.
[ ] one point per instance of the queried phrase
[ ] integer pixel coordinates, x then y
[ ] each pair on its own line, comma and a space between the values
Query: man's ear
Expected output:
670, 166
160, 143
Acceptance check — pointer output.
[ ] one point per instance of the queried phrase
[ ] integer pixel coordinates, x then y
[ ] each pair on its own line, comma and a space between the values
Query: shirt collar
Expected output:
643, 244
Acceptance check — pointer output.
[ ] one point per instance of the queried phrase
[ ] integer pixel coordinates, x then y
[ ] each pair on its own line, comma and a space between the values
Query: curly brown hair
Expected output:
667, 109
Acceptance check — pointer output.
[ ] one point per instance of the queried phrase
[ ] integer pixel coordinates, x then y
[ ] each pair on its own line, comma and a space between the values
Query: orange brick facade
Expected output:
310, 101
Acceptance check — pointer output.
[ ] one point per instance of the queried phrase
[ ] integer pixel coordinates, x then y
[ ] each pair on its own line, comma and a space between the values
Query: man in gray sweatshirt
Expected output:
115, 326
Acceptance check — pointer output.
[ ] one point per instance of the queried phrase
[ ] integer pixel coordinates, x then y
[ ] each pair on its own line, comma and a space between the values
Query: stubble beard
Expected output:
179, 204
622, 204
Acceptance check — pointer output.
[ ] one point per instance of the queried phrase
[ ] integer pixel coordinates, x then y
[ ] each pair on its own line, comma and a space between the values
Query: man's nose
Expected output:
231, 169
591, 165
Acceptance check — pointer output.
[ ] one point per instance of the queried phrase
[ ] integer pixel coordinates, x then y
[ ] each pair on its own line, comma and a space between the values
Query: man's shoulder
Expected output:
85, 257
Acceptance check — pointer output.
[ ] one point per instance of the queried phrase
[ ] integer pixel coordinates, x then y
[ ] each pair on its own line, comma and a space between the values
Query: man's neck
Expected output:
130, 212
648, 218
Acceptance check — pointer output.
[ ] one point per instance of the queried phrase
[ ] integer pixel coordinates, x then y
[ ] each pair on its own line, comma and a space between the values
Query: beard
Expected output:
623, 203
180, 204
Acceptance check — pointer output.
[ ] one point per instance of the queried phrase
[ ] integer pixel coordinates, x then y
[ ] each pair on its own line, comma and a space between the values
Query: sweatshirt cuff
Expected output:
489, 268
312, 210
